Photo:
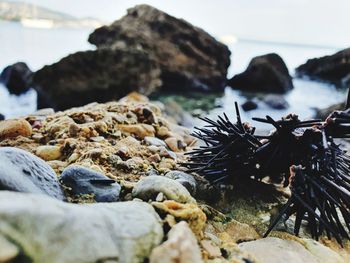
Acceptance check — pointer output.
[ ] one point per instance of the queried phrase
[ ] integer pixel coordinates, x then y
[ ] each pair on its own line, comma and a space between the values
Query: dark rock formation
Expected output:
17, 78
267, 73
101, 75
82, 181
2, 117
276, 102
249, 105
334, 68
22, 171
189, 58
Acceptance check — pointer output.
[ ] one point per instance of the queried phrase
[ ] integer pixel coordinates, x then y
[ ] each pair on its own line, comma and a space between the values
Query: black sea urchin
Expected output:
300, 153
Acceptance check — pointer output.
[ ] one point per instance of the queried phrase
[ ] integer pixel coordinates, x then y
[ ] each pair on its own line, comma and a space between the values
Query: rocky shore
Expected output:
104, 183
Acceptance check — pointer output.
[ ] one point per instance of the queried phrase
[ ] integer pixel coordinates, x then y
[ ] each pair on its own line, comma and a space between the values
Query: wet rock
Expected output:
24, 172
249, 105
267, 73
13, 128
149, 187
185, 179
106, 74
275, 250
2, 117
324, 113
49, 152
333, 68
17, 78
180, 247
276, 102
98, 232
154, 141
83, 181
189, 58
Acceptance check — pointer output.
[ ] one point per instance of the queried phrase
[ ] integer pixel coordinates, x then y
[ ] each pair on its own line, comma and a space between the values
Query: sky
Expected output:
314, 22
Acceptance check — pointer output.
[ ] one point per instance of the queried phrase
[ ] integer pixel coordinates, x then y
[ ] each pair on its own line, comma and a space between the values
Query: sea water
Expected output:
38, 47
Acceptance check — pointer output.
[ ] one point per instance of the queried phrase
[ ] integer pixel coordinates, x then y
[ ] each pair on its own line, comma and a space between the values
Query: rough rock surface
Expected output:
149, 187
98, 75
83, 181
187, 180
104, 232
180, 247
17, 78
189, 58
288, 251
267, 73
23, 172
333, 68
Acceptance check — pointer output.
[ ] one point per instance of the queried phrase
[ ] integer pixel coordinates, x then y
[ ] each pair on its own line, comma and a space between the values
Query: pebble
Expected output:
49, 152
139, 130
149, 187
123, 232
154, 141
13, 128
185, 179
22, 171
83, 181
249, 105
155, 158
174, 144
180, 247
163, 132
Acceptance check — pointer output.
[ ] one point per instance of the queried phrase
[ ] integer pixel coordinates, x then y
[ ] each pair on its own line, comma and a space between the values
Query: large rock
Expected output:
24, 172
17, 78
267, 73
96, 75
46, 230
275, 250
189, 58
334, 68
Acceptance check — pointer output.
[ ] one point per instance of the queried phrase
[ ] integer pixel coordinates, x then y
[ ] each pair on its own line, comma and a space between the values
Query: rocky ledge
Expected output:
103, 183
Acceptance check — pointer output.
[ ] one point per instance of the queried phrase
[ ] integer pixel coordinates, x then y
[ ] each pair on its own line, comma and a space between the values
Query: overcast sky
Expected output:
318, 22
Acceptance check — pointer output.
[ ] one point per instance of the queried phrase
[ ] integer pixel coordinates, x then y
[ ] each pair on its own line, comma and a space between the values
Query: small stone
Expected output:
97, 139
180, 247
185, 179
49, 152
14, 128
240, 232
175, 144
249, 105
155, 158
82, 181
153, 148
154, 141
277, 102
160, 197
149, 187
139, 130
212, 250
22, 171
163, 132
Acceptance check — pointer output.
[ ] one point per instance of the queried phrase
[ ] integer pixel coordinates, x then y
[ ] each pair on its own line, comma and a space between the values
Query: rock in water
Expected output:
189, 58
249, 105
334, 68
82, 181
276, 101
267, 73
47, 230
149, 187
24, 172
2, 117
181, 247
17, 78
96, 75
